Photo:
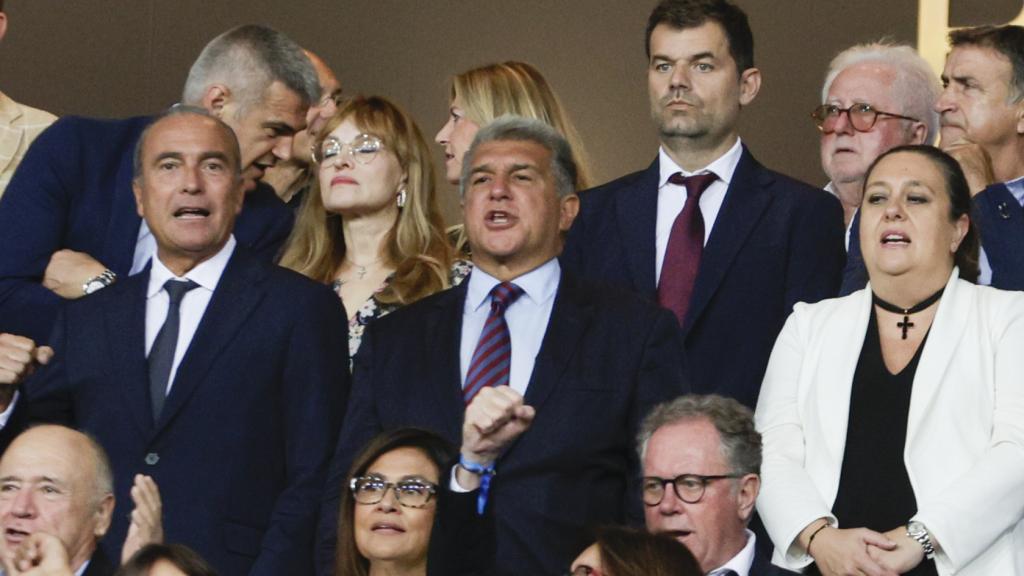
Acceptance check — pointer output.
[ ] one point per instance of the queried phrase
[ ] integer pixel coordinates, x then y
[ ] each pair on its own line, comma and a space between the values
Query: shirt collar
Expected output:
723, 167
207, 273
740, 563
539, 284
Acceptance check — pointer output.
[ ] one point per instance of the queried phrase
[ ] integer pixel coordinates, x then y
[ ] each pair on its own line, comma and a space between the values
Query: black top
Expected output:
874, 488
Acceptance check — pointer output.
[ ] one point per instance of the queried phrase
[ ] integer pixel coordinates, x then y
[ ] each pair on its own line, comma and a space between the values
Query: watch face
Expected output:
916, 528
93, 286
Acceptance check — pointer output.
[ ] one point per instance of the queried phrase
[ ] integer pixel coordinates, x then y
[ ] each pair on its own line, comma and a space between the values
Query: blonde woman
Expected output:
372, 227
483, 94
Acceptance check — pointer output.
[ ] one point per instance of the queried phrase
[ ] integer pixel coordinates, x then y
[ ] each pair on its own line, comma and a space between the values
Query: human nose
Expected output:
946, 102
23, 505
192, 179
389, 501
670, 503
893, 210
444, 133
843, 124
680, 78
500, 188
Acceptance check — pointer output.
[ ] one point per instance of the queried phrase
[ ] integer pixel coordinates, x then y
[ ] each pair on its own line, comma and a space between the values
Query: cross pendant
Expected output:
361, 272
906, 324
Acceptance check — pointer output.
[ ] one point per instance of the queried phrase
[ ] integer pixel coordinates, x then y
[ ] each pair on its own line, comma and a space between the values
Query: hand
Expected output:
19, 357
147, 517
40, 554
845, 552
495, 418
68, 271
904, 558
975, 163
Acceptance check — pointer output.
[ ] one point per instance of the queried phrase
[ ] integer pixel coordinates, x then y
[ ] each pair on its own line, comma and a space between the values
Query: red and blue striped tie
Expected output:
493, 354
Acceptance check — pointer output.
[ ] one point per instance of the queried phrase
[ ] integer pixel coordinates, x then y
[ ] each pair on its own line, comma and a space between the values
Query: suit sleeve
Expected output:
817, 251
855, 275
314, 392
988, 498
789, 500
462, 542
659, 379
265, 223
1000, 220
361, 424
33, 216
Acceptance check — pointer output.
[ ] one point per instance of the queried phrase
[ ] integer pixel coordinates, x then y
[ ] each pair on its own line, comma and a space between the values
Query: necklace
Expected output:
361, 268
906, 324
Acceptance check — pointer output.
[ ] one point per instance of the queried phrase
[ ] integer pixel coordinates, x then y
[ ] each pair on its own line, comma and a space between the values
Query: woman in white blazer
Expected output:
902, 404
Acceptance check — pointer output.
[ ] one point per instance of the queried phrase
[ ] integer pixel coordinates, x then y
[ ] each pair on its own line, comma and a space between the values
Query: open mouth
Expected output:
896, 239
14, 535
387, 527
499, 218
191, 213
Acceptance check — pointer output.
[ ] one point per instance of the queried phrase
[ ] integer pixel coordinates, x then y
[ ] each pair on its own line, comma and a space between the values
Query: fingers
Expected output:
876, 539
17, 354
43, 355
494, 418
493, 407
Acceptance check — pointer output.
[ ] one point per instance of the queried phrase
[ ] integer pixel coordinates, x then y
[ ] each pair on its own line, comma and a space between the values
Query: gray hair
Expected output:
182, 110
740, 441
248, 59
916, 87
520, 129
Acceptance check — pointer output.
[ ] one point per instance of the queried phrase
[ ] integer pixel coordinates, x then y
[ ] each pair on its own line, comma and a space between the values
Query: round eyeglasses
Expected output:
861, 116
689, 487
410, 493
362, 148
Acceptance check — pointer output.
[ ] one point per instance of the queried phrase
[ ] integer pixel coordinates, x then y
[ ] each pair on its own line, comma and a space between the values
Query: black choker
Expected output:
907, 324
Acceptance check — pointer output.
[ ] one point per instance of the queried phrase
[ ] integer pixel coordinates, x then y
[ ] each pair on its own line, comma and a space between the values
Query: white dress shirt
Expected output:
740, 563
193, 305
672, 197
145, 247
527, 318
1016, 188
831, 189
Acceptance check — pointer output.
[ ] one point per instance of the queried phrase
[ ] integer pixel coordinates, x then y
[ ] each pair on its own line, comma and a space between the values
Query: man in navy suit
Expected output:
589, 361
67, 221
702, 473
219, 375
725, 243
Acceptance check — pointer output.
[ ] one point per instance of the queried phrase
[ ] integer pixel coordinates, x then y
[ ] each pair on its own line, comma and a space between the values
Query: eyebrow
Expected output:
280, 127
689, 58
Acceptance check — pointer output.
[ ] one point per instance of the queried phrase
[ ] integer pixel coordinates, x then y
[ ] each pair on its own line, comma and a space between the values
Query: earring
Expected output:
401, 198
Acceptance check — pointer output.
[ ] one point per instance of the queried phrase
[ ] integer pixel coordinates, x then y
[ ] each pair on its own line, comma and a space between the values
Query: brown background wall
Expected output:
126, 57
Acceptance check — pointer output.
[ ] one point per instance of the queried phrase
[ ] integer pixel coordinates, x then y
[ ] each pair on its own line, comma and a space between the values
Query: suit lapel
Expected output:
10, 135
944, 336
569, 316
637, 216
444, 353
237, 295
123, 234
125, 318
745, 201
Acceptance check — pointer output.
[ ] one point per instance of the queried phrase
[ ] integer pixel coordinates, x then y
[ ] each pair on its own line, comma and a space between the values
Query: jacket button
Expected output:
152, 458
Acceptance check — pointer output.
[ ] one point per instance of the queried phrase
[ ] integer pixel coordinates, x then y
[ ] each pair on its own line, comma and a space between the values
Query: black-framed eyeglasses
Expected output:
861, 116
363, 149
410, 493
689, 487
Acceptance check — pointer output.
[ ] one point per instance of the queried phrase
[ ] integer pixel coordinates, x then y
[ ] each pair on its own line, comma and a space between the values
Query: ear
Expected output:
217, 99
962, 224
1019, 115
918, 133
3, 25
750, 85
746, 495
137, 191
104, 512
568, 209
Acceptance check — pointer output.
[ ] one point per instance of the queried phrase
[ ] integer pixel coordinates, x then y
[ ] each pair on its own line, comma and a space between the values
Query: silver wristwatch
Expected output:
918, 532
106, 278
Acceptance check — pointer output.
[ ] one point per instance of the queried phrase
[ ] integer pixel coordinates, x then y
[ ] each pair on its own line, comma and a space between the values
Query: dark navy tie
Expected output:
161, 355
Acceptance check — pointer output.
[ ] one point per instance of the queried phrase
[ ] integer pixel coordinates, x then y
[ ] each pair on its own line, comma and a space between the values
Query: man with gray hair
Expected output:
70, 210
520, 332
701, 461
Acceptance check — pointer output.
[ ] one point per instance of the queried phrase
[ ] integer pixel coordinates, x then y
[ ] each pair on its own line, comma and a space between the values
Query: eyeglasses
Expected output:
861, 116
362, 148
410, 493
689, 487
583, 570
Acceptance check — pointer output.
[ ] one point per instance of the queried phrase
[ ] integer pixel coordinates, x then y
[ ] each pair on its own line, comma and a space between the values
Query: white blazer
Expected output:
965, 430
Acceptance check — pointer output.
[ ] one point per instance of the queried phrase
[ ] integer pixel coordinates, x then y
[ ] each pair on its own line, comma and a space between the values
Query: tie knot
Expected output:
503, 295
695, 185
176, 289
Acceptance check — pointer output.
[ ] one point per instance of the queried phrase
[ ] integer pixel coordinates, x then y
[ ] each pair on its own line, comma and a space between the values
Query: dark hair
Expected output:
182, 557
349, 562
634, 552
1007, 40
959, 193
682, 14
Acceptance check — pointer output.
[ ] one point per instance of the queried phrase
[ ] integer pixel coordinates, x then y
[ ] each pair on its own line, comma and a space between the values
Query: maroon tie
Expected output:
493, 354
685, 244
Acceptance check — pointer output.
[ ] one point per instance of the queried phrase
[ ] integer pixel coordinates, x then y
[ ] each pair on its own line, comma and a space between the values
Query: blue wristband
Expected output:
485, 473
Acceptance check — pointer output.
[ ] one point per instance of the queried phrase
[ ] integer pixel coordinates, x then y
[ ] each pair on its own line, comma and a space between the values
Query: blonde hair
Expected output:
415, 246
517, 89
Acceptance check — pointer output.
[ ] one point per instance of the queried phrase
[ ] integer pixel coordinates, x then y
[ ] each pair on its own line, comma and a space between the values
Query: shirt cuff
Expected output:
5, 416
453, 484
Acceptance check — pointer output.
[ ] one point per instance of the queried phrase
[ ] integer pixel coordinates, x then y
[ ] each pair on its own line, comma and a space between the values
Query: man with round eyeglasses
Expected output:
701, 461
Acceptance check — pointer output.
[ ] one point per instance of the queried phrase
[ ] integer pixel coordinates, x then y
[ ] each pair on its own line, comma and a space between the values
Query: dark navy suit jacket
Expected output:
241, 448
74, 190
776, 242
606, 358
998, 218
